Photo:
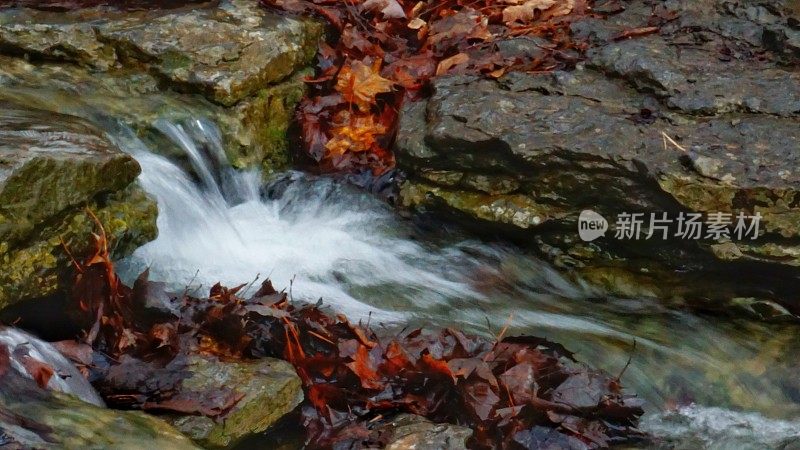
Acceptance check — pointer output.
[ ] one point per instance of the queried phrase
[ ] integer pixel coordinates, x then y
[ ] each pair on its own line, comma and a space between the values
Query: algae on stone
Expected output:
52, 168
270, 389
34, 418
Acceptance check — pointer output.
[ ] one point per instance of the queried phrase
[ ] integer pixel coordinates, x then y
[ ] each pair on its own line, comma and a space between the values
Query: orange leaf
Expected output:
363, 367
438, 365
39, 371
447, 64
358, 134
360, 84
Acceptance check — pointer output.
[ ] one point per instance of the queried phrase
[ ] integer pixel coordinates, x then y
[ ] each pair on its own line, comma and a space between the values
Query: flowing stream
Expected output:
708, 382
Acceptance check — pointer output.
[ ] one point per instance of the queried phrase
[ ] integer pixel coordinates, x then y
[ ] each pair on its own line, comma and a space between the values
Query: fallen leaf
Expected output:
41, 372
389, 8
360, 84
447, 64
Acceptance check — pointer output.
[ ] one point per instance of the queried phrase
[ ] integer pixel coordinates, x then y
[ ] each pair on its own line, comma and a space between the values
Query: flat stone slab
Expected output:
226, 52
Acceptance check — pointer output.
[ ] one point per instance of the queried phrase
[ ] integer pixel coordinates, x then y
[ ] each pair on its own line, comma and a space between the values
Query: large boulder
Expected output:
231, 61
54, 171
690, 120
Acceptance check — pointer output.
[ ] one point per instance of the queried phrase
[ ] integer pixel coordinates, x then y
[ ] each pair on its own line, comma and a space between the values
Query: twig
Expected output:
186, 291
258, 275
319, 336
499, 337
630, 357
95, 330
635, 32
72, 258
672, 141
505, 328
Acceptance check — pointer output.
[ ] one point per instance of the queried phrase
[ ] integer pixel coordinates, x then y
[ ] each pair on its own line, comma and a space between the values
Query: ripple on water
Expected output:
697, 427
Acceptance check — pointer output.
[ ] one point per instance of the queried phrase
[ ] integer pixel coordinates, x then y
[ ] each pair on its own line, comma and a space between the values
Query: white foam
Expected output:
321, 237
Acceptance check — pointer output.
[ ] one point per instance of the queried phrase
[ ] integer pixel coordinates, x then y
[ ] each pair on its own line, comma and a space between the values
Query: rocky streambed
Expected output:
699, 115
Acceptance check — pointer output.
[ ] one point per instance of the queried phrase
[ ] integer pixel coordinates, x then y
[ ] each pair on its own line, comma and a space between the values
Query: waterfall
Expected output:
316, 236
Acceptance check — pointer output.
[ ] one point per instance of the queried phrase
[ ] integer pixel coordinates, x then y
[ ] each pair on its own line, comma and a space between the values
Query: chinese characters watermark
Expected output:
688, 226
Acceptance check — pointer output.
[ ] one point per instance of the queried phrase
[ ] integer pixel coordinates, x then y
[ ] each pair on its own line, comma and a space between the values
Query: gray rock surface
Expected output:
410, 432
692, 119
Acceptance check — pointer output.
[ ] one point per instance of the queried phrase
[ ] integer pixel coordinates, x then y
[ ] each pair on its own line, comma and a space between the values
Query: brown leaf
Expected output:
520, 382
524, 11
78, 352
5, 360
482, 398
389, 8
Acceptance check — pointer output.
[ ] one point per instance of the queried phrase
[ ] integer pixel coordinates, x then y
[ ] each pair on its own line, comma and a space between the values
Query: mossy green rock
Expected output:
259, 124
270, 389
53, 168
34, 418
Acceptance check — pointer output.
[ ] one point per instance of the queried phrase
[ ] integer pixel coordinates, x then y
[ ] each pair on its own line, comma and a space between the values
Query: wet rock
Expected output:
253, 131
269, 389
649, 63
22, 346
22, 34
232, 62
688, 120
227, 53
31, 417
410, 432
51, 168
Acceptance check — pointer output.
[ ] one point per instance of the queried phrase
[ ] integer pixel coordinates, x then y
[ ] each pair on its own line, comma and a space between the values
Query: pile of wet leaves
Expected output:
384, 52
515, 392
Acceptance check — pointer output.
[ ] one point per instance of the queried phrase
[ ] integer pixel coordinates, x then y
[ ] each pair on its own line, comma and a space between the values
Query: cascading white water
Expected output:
327, 240
318, 236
